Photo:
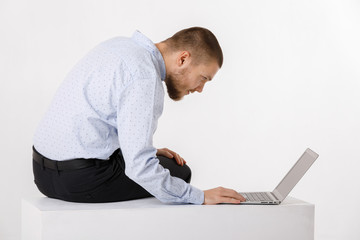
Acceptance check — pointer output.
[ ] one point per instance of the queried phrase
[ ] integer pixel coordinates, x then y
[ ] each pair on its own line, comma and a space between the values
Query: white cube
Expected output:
51, 219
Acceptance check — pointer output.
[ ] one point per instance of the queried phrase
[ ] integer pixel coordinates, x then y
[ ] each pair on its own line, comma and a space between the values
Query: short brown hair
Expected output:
198, 41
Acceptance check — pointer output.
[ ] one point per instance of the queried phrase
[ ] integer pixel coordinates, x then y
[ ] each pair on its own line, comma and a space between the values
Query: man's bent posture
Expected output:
95, 142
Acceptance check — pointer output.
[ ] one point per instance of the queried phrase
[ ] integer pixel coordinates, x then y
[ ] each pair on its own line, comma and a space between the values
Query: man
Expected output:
95, 142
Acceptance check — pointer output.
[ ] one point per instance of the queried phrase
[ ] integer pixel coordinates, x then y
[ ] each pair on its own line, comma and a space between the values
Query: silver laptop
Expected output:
286, 184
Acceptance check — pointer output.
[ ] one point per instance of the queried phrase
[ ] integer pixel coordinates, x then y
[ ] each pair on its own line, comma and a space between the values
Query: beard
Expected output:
173, 85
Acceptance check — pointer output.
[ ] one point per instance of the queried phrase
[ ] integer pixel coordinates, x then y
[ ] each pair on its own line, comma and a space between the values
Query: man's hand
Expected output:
171, 154
222, 195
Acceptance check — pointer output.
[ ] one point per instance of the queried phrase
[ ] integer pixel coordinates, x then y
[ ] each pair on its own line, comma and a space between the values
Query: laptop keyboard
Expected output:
256, 196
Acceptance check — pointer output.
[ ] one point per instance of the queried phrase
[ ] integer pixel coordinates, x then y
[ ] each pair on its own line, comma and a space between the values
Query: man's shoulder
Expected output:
122, 58
135, 57
124, 47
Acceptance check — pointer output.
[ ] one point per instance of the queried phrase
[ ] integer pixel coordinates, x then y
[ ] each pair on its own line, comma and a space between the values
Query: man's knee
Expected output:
183, 172
187, 174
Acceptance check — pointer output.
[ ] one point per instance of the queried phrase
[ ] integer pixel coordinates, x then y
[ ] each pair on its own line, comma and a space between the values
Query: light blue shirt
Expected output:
112, 99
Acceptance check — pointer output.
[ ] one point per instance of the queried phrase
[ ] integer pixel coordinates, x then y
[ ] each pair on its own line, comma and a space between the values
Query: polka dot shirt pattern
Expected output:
113, 98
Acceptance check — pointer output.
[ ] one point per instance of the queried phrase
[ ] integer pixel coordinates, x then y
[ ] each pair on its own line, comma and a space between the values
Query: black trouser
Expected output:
105, 181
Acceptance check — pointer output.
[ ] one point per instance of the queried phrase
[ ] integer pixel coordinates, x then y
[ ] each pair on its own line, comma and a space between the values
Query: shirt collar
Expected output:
145, 42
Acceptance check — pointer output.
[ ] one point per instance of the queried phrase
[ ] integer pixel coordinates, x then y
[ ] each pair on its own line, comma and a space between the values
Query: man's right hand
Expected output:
222, 195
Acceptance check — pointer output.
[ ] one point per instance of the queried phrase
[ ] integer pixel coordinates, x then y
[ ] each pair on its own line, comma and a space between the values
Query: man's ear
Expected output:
183, 59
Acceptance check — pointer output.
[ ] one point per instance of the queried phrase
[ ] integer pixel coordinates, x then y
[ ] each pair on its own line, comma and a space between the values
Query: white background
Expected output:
290, 80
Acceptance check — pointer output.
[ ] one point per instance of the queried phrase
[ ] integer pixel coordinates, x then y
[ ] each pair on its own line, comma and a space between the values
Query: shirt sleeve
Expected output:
138, 112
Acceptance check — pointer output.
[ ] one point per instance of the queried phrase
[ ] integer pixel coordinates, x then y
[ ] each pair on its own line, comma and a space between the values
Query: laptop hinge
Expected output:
277, 195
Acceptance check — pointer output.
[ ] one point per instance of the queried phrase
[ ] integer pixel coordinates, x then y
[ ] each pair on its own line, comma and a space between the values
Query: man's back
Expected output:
81, 122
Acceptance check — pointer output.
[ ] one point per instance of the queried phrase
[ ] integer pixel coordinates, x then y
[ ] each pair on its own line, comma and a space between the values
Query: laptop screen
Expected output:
296, 173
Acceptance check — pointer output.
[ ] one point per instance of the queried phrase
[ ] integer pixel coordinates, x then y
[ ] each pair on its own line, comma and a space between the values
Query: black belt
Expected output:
66, 165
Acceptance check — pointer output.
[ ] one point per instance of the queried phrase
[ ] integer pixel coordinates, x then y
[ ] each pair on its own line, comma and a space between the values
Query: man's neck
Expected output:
162, 48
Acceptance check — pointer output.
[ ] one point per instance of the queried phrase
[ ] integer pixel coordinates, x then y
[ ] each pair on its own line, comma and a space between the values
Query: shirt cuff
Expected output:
197, 196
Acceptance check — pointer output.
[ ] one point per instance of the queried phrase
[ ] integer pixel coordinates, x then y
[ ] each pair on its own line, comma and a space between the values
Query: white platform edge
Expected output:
49, 204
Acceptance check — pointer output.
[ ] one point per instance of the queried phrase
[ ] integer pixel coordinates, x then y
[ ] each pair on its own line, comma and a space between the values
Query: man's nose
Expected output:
200, 88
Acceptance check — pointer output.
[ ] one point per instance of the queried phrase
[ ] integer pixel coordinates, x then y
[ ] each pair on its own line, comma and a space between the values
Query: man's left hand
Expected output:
171, 154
